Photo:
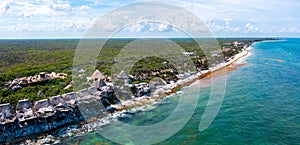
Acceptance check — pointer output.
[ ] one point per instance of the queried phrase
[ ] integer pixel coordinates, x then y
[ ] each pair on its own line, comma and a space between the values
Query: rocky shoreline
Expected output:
145, 103
27, 120
174, 87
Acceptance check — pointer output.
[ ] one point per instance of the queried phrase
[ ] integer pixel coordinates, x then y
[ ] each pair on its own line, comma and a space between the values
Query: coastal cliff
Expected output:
27, 120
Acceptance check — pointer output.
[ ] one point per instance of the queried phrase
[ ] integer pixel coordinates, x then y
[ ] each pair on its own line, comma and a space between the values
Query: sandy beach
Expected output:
172, 88
145, 102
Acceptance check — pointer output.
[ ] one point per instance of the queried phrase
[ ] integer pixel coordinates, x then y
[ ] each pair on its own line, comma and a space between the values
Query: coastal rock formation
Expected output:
44, 116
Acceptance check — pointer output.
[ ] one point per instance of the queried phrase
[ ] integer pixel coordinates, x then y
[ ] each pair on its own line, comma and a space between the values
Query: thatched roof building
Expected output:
123, 75
97, 75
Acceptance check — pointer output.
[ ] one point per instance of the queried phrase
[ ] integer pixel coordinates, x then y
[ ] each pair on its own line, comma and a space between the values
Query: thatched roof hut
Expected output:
99, 83
123, 75
97, 75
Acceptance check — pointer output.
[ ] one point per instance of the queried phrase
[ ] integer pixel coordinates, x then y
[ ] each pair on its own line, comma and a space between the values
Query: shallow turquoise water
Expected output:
261, 104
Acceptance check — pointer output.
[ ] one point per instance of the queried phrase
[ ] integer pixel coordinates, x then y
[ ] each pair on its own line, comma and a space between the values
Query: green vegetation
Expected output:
20, 58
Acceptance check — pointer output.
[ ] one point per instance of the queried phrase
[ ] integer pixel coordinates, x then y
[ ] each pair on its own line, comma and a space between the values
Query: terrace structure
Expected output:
70, 99
7, 114
59, 104
25, 112
44, 109
8, 121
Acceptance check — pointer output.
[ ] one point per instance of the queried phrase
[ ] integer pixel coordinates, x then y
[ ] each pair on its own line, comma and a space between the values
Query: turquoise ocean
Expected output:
261, 104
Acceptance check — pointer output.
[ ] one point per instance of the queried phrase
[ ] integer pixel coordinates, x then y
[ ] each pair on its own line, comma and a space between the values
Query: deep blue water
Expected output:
261, 104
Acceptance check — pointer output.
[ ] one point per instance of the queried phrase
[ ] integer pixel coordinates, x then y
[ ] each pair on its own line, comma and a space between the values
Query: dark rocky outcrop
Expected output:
44, 116
28, 120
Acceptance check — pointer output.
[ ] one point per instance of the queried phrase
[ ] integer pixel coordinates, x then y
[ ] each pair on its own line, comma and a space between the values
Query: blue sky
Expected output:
71, 18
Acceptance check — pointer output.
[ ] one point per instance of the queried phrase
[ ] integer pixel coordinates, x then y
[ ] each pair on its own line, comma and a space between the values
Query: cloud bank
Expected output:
66, 18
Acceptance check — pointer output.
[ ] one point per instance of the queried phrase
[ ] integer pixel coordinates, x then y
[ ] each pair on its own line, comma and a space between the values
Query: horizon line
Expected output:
79, 38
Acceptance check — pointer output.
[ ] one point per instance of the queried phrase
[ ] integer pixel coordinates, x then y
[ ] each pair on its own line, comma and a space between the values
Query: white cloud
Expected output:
288, 30
222, 16
225, 27
294, 30
248, 27
43, 8
282, 30
150, 27
227, 23
267, 15
4, 8
44, 16
84, 7
164, 27
60, 6
221, 27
